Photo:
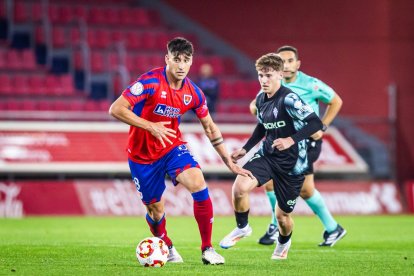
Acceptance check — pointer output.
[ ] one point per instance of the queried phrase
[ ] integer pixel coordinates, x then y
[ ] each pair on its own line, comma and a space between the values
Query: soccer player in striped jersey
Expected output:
152, 106
285, 121
312, 91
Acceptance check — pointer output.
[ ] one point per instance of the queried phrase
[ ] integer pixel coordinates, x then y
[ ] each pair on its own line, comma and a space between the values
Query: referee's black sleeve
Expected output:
257, 135
313, 125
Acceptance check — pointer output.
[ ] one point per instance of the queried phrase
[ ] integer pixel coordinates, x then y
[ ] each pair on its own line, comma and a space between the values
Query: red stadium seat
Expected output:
21, 12
117, 36
29, 60
66, 83
3, 63
75, 36
20, 85
54, 14
134, 40
28, 105
44, 105
97, 62
6, 85
96, 16
112, 16
141, 16
149, 40
79, 13
39, 35
37, 11
37, 85
14, 61
59, 38
114, 61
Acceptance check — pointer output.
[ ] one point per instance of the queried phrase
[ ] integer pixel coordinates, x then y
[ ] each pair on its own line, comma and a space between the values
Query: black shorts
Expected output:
314, 150
287, 187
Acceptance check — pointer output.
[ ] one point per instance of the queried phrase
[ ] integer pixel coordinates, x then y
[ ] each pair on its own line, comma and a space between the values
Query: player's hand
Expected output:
238, 170
283, 143
237, 154
161, 132
317, 135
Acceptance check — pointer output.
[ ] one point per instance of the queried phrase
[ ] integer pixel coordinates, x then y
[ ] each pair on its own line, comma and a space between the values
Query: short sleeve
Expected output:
199, 103
140, 89
296, 107
324, 92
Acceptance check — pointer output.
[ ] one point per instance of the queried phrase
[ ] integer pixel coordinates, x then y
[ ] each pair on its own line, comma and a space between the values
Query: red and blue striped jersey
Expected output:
152, 99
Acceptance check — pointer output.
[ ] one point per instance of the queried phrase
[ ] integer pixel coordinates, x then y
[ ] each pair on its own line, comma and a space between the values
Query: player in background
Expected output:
312, 91
285, 121
153, 106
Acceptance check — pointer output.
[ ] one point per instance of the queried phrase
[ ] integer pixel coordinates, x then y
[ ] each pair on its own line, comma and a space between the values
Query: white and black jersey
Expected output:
283, 115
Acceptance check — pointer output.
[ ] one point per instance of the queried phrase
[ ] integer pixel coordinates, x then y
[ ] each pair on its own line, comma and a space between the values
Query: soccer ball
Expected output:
152, 252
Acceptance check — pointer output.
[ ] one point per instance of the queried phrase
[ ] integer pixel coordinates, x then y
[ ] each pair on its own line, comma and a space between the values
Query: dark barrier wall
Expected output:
357, 47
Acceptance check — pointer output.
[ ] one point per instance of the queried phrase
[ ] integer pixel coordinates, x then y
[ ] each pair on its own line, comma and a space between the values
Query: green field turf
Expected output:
374, 245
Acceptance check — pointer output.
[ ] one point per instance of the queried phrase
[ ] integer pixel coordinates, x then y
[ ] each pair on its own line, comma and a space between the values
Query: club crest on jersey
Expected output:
163, 94
137, 88
187, 99
275, 112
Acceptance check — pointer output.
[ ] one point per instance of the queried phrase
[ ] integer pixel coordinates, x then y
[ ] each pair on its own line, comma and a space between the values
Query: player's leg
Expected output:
272, 232
240, 197
333, 231
193, 180
260, 167
287, 188
150, 183
184, 170
284, 241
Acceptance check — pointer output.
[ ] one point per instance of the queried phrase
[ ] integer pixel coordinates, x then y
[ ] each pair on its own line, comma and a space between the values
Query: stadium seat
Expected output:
28, 60
59, 38
14, 61
134, 40
3, 63
37, 85
20, 85
21, 12
6, 86
28, 105
97, 62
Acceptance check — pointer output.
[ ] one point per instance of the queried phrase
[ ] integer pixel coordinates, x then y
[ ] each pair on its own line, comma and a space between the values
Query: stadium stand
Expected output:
72, 56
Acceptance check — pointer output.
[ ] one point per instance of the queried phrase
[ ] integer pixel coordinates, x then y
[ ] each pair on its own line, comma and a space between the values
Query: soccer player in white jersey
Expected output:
312, 91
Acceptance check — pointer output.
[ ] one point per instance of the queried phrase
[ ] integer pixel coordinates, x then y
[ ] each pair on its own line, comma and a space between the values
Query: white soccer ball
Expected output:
152, 252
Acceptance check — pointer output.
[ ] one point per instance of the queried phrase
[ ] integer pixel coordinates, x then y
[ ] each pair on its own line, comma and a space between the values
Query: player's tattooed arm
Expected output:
217, 141
214, 134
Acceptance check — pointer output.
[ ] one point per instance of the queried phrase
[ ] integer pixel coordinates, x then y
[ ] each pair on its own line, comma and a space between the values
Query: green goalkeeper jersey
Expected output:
311, 90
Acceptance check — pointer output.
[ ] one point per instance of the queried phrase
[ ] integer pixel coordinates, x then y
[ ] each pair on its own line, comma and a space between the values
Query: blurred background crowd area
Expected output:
68, 60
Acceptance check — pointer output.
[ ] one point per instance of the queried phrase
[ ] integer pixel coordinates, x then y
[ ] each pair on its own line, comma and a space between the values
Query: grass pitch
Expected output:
376, 245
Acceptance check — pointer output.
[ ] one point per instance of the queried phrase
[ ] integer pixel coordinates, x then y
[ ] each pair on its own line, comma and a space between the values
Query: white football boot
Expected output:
281, 250
210, 256
231, 239
174, 256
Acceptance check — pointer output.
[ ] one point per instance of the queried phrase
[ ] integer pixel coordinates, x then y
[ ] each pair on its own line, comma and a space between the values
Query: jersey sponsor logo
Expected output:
137, 89
167, 111
275, 112
187, 99
274, 125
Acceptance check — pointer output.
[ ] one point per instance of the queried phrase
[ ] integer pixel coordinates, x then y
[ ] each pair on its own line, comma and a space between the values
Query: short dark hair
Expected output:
270, 60
288, 48
179, 46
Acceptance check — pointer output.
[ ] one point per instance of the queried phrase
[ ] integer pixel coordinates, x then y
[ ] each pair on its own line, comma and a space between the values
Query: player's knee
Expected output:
306, 193
240, 190
156, 212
